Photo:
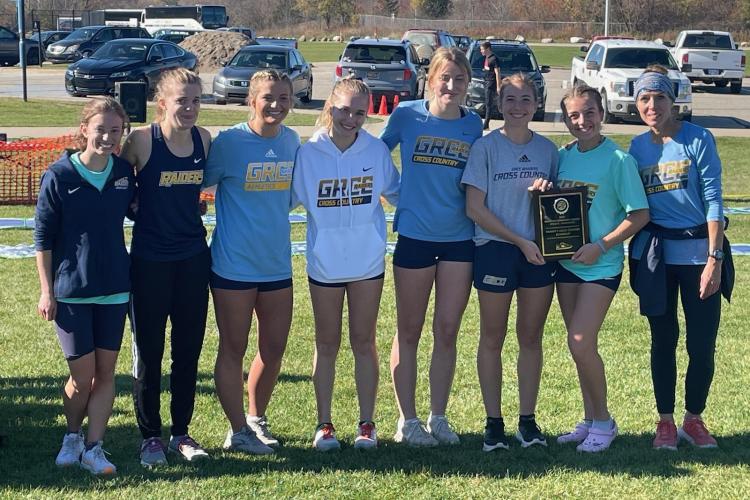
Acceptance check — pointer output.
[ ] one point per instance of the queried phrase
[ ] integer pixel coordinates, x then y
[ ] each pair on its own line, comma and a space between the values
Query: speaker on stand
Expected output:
133, 97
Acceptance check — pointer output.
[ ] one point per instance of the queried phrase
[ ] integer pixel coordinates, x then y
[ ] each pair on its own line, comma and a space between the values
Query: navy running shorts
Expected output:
217, 281
419, 254
501, 267
565, 276
81, 328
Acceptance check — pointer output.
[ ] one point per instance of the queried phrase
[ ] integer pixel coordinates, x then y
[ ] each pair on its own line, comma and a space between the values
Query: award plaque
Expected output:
560, 221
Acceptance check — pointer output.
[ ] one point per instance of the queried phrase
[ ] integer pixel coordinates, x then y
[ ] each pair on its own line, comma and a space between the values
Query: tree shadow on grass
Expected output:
30, 411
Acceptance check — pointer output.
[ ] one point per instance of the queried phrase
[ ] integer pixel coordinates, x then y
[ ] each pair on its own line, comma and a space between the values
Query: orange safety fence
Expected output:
22, 164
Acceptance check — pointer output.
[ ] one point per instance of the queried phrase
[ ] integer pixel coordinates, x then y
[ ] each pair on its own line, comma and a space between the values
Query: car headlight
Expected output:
72, 48
619, 88
69, 72
120, 74
220, 79
684, 90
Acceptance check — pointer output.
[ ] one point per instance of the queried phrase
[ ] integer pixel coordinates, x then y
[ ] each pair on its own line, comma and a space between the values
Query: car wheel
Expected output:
607, 116
539, 116
308, 97
735, 87
86, 53
32, 57
721, 83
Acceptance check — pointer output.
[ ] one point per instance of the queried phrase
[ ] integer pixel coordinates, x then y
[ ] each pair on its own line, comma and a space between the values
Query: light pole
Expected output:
606, 17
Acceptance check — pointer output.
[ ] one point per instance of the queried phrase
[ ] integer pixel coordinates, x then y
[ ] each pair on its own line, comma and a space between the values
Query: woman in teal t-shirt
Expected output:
586, 284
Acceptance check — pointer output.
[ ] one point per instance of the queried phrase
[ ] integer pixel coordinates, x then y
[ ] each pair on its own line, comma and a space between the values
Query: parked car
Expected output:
282, 42
710, 57
232, 82
9, 48
174, 35
85, 41
512, 57
49, 37
612, 67
462, 41
126, 60
428, 41
248, 32
389, 67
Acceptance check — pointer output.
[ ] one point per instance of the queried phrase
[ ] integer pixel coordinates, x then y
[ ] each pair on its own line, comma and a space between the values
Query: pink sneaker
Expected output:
577, 435
598, 440
694, 431
666, 435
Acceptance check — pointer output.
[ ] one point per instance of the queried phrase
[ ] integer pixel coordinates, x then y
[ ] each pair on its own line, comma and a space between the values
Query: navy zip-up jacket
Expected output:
84, 229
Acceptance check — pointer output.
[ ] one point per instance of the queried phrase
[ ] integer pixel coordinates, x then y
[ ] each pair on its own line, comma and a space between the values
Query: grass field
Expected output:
34, 370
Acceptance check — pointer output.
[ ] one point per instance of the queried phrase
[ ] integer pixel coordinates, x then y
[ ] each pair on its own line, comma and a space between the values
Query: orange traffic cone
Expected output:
383, 111
395, 102
371, 108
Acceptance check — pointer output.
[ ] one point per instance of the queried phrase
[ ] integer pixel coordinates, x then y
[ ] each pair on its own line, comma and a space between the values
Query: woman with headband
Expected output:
681, 250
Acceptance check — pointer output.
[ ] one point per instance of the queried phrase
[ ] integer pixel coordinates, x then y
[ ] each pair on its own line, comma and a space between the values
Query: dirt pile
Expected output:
214, 48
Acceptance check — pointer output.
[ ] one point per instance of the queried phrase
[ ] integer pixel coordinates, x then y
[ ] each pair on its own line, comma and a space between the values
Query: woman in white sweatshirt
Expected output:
339, 177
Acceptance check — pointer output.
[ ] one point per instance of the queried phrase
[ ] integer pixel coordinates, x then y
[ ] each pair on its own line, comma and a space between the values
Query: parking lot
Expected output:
714, 108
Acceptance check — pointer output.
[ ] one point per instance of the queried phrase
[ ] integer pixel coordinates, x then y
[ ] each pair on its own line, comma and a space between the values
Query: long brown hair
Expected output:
99, 106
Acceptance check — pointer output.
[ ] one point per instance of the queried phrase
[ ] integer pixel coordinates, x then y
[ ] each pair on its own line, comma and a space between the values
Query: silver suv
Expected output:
389, 67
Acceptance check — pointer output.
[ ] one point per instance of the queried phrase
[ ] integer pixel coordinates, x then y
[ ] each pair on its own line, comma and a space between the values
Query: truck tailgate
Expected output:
713, 59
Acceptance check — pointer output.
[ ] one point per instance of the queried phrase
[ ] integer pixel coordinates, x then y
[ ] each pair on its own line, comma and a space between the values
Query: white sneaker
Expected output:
413, 433
438, 426
187, 447
95, 462
598, 440
367, 436
577, 435
245, 440
259, 425
70, 452
325, 438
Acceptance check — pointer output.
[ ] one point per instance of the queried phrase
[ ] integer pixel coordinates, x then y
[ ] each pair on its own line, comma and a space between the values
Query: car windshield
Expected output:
374, 54
122, 51
638, 58
421, 39
259, 59
82, 34
707, 41
509, 61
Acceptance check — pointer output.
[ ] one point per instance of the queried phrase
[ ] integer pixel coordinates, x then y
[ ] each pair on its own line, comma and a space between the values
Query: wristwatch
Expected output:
716, 254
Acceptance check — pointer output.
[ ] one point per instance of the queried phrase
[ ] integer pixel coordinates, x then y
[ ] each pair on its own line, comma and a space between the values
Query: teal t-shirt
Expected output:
615, 188
98, 180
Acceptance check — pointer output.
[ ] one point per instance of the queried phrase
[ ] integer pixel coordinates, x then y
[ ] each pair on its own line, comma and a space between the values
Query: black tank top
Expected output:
168, 223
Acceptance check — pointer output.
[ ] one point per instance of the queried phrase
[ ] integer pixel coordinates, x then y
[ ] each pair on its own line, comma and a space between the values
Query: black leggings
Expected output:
702, 323
178, 290
490, 103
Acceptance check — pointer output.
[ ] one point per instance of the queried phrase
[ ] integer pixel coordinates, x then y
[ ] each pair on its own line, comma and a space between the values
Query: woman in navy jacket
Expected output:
84, 274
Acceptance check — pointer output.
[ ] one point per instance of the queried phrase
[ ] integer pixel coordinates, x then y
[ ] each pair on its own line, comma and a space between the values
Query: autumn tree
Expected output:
434, 9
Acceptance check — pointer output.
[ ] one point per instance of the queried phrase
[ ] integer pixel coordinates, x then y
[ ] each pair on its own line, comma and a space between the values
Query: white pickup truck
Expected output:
612, 67
713, 58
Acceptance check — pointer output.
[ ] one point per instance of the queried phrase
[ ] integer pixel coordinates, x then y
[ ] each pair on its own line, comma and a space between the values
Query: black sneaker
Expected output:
494, 435
529, 433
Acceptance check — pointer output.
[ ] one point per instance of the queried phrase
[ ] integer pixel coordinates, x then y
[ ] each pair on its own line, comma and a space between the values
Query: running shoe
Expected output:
153, 452
187, 447
529, 433
95, 461
259, 425
438, 426
666, 435
325, 438
598, 440
71, 449
694, 431
577, 435
494, 435
246, 441
367, 436
413, 433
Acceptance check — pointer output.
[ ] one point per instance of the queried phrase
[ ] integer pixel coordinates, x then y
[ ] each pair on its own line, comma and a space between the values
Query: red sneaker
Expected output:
694, 431
666, 435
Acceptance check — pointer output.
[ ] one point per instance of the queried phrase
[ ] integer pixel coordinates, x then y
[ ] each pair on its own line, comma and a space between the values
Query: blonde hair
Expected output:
443, 56
265, 76
348, 85
95, 107
176, 76
522, 78
581, 90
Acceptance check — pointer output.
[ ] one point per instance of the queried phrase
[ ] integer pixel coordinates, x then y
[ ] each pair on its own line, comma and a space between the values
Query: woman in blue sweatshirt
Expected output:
680, 250
84, 274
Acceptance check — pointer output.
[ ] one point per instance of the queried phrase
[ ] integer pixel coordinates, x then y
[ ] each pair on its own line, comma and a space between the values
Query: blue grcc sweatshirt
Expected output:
84, 229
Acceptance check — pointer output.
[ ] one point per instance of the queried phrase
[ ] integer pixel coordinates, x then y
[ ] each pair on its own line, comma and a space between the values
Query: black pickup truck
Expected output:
9, 48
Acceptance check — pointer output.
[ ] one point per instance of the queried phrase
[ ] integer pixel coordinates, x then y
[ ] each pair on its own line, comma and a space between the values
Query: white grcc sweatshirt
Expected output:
346, 231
